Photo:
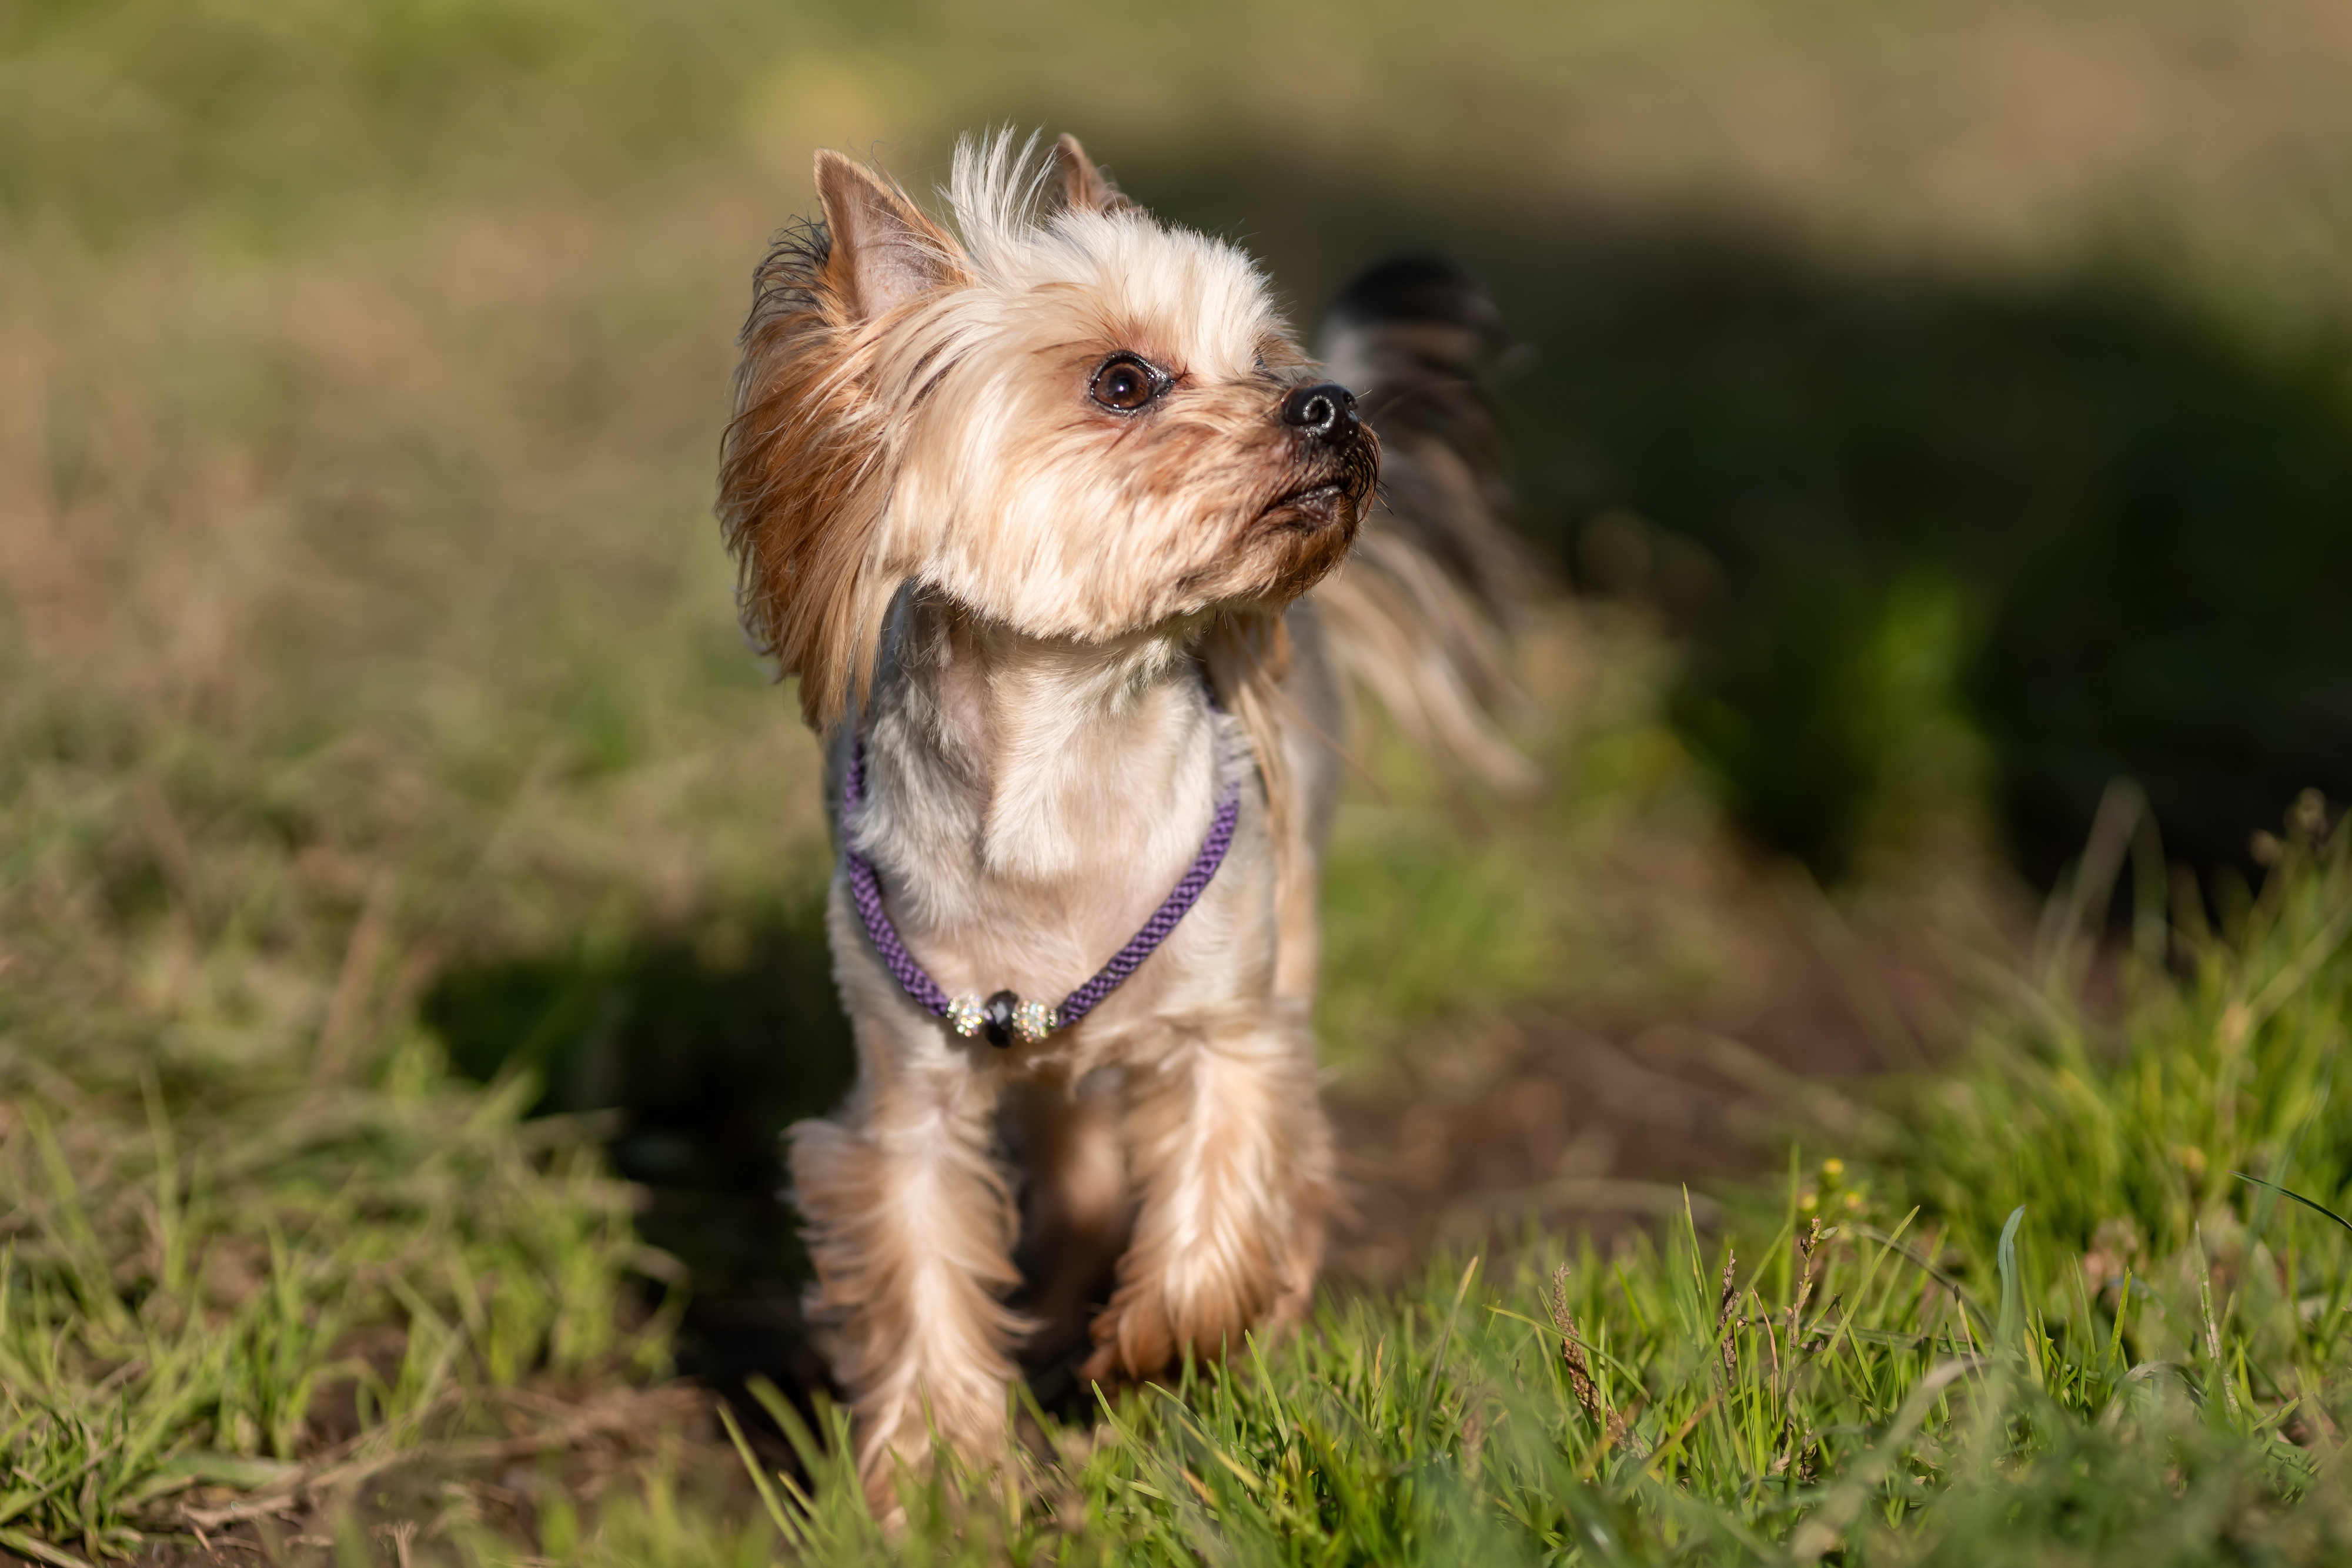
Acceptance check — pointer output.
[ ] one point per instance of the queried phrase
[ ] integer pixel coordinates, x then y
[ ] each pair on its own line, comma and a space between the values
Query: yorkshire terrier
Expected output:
1031, 501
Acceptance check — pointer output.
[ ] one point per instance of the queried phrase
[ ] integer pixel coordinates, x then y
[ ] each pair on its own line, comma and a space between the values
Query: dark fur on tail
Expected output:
1421, 614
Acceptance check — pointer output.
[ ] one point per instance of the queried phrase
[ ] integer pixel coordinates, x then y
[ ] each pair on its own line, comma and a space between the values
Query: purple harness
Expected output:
1004, 1017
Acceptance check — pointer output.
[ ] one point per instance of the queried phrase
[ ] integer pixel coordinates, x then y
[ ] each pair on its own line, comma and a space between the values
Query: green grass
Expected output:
364, 636
180, 1300
2089, 1343
2030, 1314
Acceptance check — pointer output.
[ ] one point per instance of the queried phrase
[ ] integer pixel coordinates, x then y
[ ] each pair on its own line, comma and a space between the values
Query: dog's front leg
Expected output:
911, 1225
1232, 1160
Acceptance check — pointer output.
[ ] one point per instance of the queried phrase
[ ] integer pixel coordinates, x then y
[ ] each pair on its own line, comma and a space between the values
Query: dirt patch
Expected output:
1598, 1119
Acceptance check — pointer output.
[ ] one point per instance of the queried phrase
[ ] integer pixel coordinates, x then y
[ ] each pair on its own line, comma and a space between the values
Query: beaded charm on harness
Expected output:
1003, 1019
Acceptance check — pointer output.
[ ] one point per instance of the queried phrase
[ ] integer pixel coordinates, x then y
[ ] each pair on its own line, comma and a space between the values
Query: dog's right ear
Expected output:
1079, 186
884, 252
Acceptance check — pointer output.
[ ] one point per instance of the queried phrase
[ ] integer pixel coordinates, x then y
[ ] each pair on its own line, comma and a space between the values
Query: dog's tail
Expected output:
1420, 615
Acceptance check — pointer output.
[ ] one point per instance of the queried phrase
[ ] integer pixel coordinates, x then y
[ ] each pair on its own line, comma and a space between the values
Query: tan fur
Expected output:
1247, 656
1010, 595
802, 470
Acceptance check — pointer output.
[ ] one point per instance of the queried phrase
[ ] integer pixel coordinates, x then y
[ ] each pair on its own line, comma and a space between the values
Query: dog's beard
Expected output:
1307, 529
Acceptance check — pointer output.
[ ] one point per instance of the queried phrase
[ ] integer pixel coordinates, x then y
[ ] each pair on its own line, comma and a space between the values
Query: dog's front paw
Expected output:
1133, 1341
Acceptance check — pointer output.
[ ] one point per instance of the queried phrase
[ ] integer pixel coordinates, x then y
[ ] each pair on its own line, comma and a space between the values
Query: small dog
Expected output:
1029, 507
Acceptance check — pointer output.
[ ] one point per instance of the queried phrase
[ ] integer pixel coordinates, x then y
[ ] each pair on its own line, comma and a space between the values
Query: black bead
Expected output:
996, 1019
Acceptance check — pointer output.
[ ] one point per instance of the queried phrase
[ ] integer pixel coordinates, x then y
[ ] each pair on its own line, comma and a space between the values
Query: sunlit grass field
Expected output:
2060, 1304
365, 644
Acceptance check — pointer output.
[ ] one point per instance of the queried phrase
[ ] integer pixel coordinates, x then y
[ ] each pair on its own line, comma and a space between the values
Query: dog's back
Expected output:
1421, 613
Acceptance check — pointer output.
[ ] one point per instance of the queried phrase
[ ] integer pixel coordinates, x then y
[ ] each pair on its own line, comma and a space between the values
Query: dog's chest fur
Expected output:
1030, 803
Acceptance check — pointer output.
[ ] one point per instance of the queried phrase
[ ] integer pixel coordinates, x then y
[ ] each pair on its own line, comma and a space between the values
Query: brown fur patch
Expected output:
802, 478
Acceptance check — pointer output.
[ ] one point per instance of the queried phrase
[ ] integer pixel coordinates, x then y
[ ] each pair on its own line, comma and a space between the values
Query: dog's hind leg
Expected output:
1076, 1215
911, 1225
1233, 1159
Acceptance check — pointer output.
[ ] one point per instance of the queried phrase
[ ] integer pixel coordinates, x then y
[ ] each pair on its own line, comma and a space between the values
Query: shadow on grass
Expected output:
1917, 527
709, 1045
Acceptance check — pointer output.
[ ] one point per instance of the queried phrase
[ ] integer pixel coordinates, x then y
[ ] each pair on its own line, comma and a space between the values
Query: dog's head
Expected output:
1063, 416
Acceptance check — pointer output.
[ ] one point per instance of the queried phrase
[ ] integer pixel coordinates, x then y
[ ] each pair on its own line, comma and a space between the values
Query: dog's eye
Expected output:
1124, 384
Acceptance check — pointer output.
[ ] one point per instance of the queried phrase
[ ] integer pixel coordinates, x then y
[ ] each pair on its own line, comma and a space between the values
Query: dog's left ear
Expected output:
1081, 187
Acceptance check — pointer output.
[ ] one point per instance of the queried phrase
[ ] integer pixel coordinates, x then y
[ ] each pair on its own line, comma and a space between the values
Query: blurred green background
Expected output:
1938, 410
1937, 368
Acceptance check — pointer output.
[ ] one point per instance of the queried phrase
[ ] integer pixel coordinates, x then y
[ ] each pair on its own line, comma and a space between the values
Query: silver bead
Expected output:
1032, 1021
966, 1014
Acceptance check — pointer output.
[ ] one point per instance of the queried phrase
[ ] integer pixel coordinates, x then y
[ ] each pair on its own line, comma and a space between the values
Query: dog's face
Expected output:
1081, 426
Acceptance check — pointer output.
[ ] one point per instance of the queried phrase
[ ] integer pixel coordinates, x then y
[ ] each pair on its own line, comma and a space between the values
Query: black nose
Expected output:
1326, 411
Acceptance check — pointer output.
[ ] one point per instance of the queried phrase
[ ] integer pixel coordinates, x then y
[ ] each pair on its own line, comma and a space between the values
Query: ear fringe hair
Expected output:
1246, 653
798, 497
804, 464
